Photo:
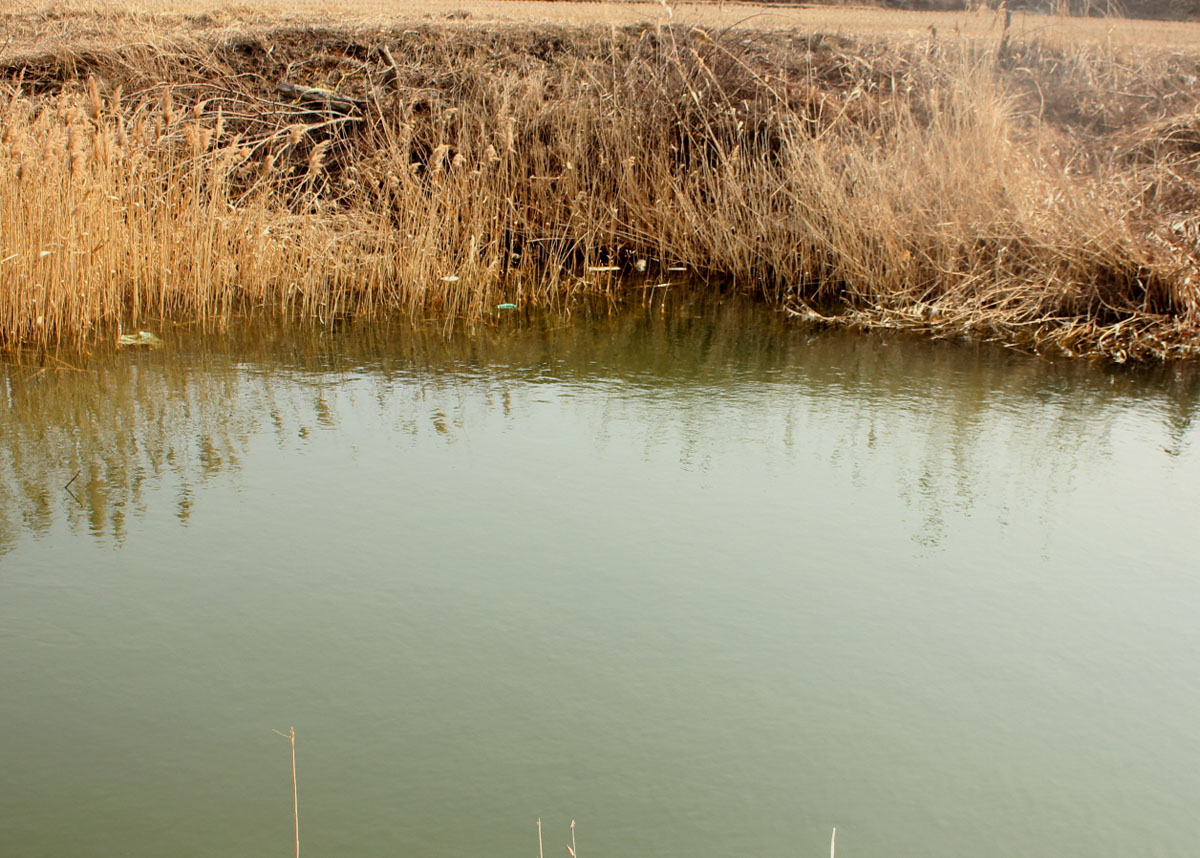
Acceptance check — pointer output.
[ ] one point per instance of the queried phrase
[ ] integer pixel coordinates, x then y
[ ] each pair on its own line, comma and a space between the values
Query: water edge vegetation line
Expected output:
1045, 196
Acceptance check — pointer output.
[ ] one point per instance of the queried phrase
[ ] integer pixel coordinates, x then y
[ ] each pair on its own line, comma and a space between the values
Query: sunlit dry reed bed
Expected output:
1043, 197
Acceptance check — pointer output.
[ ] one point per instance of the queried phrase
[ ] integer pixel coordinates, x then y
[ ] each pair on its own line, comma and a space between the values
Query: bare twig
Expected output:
290, 735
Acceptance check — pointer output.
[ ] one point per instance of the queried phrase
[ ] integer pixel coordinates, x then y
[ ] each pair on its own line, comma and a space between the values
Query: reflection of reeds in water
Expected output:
989, 187
164, 424
115, 437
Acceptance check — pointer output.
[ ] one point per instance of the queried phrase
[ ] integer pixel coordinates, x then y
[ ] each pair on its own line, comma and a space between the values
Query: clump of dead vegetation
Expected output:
1040, 196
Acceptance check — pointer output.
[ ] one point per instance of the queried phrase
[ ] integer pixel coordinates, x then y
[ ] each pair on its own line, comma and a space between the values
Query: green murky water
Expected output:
706, 583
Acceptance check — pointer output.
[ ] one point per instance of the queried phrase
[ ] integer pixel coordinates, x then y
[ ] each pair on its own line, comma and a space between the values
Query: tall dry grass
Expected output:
1037, 195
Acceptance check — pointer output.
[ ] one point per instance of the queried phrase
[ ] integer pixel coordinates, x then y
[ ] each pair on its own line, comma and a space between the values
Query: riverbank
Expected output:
1019, 186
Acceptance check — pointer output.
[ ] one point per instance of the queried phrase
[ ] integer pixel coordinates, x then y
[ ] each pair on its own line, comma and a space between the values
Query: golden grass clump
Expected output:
1038, 195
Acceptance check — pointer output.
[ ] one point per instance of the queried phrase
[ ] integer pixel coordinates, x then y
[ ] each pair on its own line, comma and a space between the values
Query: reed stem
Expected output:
295, 791
290, 735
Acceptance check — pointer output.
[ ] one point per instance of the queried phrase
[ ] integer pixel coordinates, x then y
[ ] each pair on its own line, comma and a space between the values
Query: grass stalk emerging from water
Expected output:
291, 737
1040, 195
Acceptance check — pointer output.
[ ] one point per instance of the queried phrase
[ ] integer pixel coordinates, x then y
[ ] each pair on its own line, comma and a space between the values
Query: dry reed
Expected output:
291, 737
1038, 195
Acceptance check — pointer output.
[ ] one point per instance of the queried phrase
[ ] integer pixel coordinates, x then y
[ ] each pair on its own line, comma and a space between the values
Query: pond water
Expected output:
704, 581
